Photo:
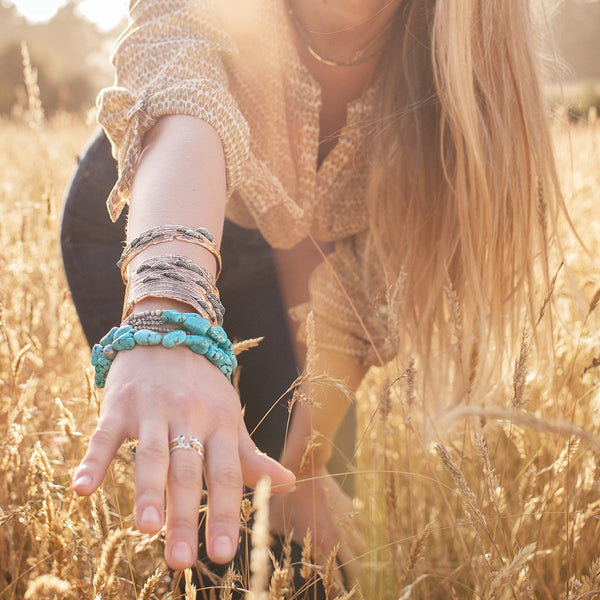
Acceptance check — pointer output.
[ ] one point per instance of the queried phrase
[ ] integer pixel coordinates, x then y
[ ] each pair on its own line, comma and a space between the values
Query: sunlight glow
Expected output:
105, 13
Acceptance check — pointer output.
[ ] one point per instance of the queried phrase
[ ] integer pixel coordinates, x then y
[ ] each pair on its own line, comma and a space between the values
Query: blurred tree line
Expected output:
577, 26
70, 54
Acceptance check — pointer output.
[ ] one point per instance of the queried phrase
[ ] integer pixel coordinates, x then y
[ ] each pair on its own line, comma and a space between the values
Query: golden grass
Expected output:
500, 501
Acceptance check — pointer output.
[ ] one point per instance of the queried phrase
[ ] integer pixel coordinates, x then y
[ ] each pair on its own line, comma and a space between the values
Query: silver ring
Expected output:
181, 443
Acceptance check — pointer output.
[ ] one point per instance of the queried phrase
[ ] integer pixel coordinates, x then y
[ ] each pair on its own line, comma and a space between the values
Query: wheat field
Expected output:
503, 504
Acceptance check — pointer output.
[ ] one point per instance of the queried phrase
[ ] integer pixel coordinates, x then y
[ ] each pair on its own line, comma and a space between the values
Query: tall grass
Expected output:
500, 501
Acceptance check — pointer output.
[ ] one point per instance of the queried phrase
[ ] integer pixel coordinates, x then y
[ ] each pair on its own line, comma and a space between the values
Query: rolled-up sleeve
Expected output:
349, 309
169, 61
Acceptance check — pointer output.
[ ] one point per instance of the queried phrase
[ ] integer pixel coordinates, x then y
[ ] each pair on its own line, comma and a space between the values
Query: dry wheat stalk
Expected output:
281, 584
259, 559
229, 583
35, 109
527, 419
417, 552
248, 344
509, 570
406, 593
472, 510
47, 587
307, 568
190, 588
490, 476
312, 444
100, 514
110, 556
520, 374
410, 373
151, 583
329, 582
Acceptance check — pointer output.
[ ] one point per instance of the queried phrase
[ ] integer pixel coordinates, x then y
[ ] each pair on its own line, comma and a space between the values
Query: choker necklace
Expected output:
360, 56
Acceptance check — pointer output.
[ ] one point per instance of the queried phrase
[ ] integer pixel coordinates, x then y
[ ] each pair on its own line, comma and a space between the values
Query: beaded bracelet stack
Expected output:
176, 278
189, 329
167, 233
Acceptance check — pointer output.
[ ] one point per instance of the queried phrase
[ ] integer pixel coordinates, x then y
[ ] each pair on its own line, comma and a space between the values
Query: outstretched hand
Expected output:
155, 395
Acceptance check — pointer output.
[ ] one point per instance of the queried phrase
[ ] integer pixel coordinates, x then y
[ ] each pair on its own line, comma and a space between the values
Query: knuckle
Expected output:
186, 474
105, 434
227, 413
182, 524
229, 477
153, 449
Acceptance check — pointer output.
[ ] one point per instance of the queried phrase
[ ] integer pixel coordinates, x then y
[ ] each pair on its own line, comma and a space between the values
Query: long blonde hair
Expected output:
463, 194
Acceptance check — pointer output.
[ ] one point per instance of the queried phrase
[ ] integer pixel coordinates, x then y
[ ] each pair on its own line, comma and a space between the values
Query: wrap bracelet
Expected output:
167, 233
177, 278
194, 331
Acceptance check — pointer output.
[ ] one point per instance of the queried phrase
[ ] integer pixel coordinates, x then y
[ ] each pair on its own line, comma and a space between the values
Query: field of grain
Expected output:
502, 502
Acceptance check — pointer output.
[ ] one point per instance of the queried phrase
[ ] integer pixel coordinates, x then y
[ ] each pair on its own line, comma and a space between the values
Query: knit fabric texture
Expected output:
234, 65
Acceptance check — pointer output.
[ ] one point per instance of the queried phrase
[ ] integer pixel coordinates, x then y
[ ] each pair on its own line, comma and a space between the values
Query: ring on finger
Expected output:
181, 442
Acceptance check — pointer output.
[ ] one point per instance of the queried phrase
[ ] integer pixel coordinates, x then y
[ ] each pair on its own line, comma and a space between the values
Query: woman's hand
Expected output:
318, 504
154, 395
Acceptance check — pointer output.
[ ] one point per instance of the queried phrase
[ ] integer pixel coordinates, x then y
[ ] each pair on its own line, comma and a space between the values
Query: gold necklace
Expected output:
360, 57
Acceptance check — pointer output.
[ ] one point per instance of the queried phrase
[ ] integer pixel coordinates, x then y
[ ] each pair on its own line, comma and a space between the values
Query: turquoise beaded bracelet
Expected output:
196, 333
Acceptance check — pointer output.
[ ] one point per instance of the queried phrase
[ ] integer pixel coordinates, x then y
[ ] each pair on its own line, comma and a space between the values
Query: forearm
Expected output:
180, 180
323, 414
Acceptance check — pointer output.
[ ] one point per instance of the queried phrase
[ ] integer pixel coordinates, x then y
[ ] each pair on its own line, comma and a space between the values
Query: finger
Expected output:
151, 468
224, 481
347, 560
354, 531
184, 492
103, 446
256, 465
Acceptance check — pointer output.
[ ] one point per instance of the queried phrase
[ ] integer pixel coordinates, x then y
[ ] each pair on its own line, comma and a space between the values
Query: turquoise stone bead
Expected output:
100, 380
109, 337
97, 352
199, 336
215, 356
196, 324
146, 337
124, 342
198, 343
122, 330
218, 334
172, 316
103, 365
173, 338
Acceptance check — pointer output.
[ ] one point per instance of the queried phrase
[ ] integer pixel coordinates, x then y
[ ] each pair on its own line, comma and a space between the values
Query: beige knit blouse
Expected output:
233, 64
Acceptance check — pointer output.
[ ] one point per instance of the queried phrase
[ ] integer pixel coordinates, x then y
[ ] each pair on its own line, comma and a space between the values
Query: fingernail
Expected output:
84, 481
222, 548
182, 553
151, 517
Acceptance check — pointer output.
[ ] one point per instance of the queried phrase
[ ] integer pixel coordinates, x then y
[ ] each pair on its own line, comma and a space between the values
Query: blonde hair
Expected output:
463, 194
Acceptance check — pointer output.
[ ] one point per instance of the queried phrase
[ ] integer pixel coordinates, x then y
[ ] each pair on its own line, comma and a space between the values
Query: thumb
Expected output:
256, 464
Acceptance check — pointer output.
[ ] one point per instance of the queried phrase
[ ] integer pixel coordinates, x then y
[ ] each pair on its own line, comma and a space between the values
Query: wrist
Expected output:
314, 452
305, 446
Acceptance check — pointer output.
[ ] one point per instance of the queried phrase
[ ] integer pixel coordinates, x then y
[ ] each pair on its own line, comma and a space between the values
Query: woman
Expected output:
405, 139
